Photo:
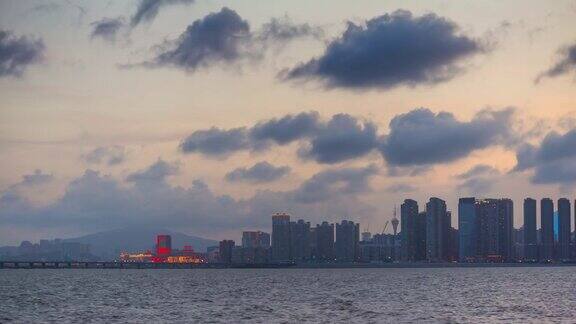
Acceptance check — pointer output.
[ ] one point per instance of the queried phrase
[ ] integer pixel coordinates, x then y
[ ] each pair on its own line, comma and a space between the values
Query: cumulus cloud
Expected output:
259, 173
330, 183
421, 137
94, 202
110, 155
342, 138
553, 160
400, 188
565, 64
36, 178
147, 10
107, 29
215, 142
224, 38
17, 53
391, 50
13, 194
478, 180
286, 129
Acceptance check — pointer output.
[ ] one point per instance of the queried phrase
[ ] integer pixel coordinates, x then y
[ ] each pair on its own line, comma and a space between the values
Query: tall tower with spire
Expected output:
395, 222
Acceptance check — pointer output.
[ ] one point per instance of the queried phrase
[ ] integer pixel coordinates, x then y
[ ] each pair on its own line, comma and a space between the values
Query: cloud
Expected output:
111, 155
154, 174
389, 51
36, 178
147, 10
94, 202
479, 179
13, 194
400, 188
553, 159
286, 129
284, 29
479, 170
215, 142
17, 53
224, 38
107, 28
259, 173
565, 64
421, 137
342, 138
219, 37
330, 183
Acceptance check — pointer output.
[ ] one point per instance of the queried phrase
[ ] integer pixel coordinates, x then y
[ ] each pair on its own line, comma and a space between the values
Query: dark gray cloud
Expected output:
342, 138
17, 53
331, 183
391, 50
216, 142
259, 173
219, 37
479, 170
400, 188
154, 174
111, 155
286, 129
225, 38
147, 10
565, 65
421, 137
94, 202
284, 29
36, 178
107, 28
553, 160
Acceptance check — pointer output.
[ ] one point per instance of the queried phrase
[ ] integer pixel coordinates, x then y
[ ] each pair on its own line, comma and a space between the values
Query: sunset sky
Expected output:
208, 116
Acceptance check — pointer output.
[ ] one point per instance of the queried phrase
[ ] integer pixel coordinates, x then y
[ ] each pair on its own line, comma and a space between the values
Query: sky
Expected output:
208, 116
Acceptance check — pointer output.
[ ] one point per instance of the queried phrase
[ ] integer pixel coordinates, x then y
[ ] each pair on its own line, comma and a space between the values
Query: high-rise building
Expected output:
436, 230
347, 238
225, 251
324, 242
467, 229
547, 229
163, 245
506, 229
408, 219
486, 230
420, 233
564, 229
281, 237
530, 230
255, 239
300, 240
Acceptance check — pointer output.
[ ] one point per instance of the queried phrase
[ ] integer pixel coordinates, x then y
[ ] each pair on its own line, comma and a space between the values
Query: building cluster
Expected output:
164, 253
48, 250
485, 233
298, 242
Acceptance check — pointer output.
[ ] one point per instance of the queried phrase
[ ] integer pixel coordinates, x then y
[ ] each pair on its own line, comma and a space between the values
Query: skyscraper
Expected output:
300, 240
436, 233
347, 238
225, 251
506, 229
281, 237
408, 218
255, 239
467, 227
547, 229
564, 229
420, 237
530, 230
324, 242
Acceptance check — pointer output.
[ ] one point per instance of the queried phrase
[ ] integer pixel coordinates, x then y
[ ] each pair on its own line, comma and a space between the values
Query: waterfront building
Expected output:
324, 242
564, 229
467, 227
225, 251
408, 226
301, 240
347, 238
281, 244
530, 230
547, 229
253, 239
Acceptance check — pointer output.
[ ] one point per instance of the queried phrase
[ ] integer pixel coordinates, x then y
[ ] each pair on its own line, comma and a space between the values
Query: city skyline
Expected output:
208, 116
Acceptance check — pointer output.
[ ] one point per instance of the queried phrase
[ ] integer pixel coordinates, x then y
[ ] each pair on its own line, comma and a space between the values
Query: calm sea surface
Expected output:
475, 295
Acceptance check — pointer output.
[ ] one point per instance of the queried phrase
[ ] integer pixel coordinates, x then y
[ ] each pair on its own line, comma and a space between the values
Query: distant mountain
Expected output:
108, 245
